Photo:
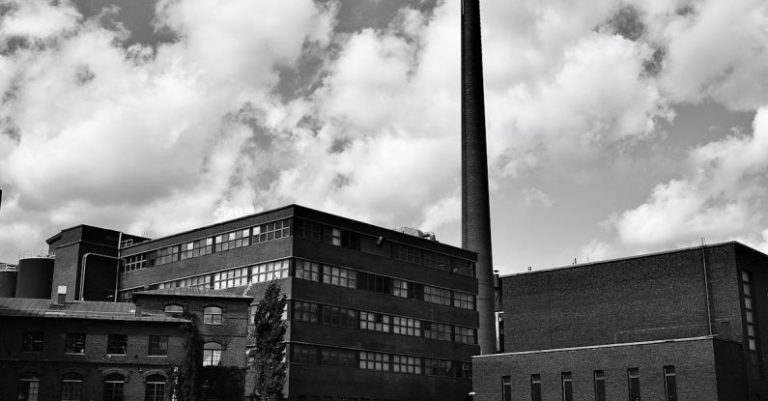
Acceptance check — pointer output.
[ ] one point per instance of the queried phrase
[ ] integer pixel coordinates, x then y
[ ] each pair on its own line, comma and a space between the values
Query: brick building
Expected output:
683, 324
373, 314
86, 351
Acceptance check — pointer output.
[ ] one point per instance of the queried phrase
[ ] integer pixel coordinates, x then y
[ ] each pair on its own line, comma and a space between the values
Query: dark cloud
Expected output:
627, 22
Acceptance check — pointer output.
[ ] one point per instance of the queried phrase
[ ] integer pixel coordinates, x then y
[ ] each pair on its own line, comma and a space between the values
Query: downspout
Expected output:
706, 284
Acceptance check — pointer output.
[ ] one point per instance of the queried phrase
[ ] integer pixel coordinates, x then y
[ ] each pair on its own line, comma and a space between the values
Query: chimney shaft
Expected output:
475, 213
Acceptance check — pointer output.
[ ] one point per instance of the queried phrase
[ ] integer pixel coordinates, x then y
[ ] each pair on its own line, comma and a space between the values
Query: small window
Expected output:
567, 385
155, 388
32, 341
113, 387
71, 387
117, 344
536, 387
670, 383
174, 309
29, 386
158, 346
211, 354
75, 343
599, 378
633, 379
506, 388
212, 315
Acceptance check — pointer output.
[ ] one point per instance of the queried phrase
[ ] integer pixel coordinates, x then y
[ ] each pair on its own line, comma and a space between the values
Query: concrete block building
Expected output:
677, 325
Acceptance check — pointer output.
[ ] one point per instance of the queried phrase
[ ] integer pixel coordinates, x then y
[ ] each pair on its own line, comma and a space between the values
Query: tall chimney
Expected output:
475, 208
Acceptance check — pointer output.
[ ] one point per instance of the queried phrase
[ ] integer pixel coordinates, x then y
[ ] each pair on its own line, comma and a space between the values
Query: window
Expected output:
406, 254
749, 315
166, 255
437, 331
308, 230
437, 295
74, 343
338, 357
211, 354
599, 378
374, 321
270, 271
29, 386
71, 387
438, 367
436, 261
506, 388
406, 326
670, 383
117, 344
400, 288
341, 317
374, 283
406, 364
158, 346
374, 361
212, 315
465, 369
173, 309
304, 353
463, 267
113, 387
463, 300
230, 278
234, 239
305, 311
272, 231
190, 282
536, 387
307, 270
134, 262
336, 237
155, 388
465, 335
197, 248
633, 379
32, 341
567, 386
340, 276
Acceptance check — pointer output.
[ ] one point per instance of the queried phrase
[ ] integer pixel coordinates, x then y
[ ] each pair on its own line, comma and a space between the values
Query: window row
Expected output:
113, 385
374, 321
377, 246
378, 361
302, 397
237, 277
350, 278
75, 343
598, 383
218, 243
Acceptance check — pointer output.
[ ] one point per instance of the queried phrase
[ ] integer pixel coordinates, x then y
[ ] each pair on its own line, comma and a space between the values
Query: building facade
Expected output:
713, 296
373, 313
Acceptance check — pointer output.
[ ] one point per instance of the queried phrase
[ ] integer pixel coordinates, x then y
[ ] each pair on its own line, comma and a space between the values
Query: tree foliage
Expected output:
269, 340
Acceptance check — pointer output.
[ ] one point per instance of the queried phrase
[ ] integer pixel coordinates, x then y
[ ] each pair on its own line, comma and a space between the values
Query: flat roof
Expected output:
623, 258
194, 292
93, 310
603, 346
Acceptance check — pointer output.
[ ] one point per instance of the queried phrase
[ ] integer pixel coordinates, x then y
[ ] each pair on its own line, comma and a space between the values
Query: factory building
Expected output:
677, 325
373, 313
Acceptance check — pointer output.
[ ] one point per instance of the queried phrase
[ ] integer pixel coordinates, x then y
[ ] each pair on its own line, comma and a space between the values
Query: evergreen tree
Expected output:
269, 339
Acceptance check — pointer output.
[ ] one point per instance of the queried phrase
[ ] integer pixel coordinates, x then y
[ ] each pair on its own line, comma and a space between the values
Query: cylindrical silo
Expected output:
34, 278
7, 281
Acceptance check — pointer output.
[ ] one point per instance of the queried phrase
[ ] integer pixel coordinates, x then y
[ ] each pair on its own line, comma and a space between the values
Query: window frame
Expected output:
213, 315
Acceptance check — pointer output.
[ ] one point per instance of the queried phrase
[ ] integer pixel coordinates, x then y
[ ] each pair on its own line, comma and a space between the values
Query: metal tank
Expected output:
7, 281
34, 278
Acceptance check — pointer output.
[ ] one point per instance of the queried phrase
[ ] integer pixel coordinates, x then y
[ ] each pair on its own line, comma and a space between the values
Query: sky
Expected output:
614, 127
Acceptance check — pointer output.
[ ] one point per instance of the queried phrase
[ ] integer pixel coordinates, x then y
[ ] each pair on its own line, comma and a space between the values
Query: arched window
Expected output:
155, 388
71, 387
113, 387
174, 309
29, 386
212, 315
211, 354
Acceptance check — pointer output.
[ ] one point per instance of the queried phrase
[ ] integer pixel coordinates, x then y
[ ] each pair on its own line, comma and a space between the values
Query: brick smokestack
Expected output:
475, 207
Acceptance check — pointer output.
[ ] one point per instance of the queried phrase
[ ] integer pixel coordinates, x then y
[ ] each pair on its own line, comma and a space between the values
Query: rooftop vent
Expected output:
417, 233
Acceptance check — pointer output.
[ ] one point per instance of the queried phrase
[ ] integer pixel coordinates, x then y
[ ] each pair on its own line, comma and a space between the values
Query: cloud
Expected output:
721, 196
535, 196
594, 251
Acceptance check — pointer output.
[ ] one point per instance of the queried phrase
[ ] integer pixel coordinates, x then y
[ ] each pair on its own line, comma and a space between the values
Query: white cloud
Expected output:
594, 251
535, 196
721, 197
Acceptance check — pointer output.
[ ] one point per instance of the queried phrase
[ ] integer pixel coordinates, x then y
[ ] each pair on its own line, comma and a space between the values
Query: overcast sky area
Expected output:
614, 127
